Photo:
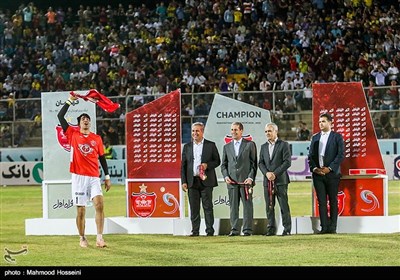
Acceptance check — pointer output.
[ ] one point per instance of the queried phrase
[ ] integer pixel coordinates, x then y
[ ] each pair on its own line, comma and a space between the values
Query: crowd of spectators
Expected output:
198, 46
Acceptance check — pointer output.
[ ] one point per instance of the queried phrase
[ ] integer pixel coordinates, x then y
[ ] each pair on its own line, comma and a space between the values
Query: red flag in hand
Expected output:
96, 97
202, 172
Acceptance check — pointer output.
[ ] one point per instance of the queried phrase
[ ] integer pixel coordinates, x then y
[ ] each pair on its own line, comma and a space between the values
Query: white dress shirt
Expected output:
237, 146
271, 146
197, 151
322, 147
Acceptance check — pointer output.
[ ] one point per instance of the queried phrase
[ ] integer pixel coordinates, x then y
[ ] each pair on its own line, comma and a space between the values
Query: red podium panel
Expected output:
153, 138
154, 198
153, 157
347, 104
364, 193
360, 196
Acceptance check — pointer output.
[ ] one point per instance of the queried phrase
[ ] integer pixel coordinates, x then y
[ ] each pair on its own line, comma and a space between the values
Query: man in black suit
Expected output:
239, 168
199, 160
324, 158
275, 160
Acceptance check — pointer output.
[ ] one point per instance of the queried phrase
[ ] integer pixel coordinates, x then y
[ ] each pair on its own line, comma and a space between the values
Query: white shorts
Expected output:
84, 188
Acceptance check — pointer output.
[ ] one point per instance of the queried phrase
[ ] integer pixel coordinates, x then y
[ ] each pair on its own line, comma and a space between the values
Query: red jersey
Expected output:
85, 152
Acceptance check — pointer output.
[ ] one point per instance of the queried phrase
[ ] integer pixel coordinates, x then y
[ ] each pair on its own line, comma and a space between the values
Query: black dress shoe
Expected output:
210, 234
233, 234
332, 231
246, 234
285, 232
324, 231
270, 233
193, 234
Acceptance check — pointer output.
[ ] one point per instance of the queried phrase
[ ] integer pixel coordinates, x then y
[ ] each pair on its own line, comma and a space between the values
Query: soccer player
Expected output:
87, 150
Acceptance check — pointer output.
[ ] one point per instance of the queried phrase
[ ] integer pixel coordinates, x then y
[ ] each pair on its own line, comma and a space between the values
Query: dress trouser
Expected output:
200, 194
326, 188
280, 192
236, 194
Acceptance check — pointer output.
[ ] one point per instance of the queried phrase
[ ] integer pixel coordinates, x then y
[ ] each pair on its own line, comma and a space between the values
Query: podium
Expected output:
364, 192
363, 189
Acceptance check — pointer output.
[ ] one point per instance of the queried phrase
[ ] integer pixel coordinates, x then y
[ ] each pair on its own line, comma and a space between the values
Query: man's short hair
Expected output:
327, 116
82, 115
199, 124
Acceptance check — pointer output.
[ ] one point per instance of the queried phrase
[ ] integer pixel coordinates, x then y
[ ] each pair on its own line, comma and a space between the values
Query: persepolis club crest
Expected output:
228, 138
143, 203
340, 200
397, 167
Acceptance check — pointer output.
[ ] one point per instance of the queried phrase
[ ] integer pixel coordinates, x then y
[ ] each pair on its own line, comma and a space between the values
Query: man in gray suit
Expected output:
275, 160
199, 160
239, 168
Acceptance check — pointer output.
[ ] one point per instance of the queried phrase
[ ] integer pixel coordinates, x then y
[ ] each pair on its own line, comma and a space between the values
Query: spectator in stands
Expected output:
376, 100
387, 128
393, 72
278, 115
265, 85
370, 94
37, 124
223, 85
307, 91
303, 134
298, 97
380, 74
289, 106
201, 110
394, 91
142, 39
21, 135
388, 102
5, 136
112, 135
378, 128
36, 90
109, 151
298, 80
287, 84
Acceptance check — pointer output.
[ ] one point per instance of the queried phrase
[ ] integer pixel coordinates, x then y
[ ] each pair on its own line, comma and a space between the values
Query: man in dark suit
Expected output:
239, 168
324, 158
199, 160
275, 160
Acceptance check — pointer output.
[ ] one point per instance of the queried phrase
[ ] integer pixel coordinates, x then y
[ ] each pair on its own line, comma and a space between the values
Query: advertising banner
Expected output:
299, 171
55, 150
56, 155
21, 173
224, 111
58, 202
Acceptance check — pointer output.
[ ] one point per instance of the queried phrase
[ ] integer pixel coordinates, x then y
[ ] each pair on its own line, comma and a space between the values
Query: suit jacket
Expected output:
279, 162
209, 155
334, 152
244, 165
